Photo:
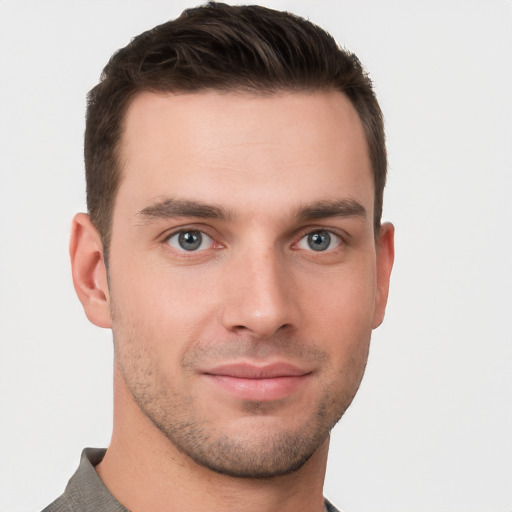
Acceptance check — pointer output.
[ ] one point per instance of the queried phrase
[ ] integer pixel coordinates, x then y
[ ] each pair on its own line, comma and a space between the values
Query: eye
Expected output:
319, 241
190, 240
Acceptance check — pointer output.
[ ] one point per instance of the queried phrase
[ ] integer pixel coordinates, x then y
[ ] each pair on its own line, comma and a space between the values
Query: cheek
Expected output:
343, 299
341, 318
167, 307
347, 340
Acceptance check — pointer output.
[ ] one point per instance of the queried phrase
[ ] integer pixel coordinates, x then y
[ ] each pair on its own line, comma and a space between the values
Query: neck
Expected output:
145, 472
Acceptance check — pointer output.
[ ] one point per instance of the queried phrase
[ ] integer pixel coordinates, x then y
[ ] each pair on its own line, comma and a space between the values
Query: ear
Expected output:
385, 251
88, 269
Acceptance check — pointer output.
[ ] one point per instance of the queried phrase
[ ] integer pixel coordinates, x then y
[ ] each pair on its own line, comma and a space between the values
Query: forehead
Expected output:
225, 146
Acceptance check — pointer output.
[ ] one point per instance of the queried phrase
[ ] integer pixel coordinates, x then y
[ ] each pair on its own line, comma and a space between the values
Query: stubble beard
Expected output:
256, 452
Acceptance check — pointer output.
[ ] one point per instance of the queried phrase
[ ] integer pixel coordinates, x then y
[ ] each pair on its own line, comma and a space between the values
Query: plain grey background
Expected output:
431, 428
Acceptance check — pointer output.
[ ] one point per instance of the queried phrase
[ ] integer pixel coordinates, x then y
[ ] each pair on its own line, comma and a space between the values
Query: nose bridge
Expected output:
260, 297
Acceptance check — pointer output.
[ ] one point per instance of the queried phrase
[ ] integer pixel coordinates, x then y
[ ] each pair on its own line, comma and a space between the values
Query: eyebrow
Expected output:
336, 208
174, 208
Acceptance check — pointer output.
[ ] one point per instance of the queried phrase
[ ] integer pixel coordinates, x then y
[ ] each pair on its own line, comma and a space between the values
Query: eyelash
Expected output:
190, 229
333, 238
306, 232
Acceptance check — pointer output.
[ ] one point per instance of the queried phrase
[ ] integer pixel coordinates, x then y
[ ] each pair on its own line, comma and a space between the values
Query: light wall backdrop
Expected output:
431, 428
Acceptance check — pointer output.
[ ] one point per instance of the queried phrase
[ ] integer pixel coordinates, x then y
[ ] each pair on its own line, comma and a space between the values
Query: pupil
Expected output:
190, 240
319, 241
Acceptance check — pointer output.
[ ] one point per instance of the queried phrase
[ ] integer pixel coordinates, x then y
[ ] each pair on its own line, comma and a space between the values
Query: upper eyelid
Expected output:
341, 233
296, 236
182, 252
202, 228
179, 231
330, 231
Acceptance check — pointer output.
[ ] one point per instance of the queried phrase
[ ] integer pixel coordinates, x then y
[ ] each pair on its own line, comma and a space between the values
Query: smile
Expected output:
256, 383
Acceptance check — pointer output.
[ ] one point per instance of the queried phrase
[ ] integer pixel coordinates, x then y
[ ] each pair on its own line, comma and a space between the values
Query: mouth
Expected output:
258, 383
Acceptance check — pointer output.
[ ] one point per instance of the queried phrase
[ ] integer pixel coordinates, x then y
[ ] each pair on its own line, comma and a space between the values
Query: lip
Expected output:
258, 383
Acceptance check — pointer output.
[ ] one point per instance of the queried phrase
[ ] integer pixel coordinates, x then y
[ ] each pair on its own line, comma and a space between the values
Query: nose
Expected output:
260, 299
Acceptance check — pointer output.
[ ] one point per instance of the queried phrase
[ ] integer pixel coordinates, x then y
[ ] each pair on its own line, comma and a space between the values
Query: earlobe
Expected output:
88, 269
385, 248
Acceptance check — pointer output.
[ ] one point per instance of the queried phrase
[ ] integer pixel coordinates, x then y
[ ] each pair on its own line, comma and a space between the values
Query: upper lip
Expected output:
251, 371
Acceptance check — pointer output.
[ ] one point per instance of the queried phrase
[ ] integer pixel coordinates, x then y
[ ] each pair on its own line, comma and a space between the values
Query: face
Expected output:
245, 275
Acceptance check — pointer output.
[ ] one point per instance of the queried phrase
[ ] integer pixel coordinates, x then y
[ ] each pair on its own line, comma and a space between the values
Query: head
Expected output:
235, 166
222, 48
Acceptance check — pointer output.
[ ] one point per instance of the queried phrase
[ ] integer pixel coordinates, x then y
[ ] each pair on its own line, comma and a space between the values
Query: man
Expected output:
235, 165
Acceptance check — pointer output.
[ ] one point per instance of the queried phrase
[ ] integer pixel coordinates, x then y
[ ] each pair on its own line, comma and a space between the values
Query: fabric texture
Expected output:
86, 492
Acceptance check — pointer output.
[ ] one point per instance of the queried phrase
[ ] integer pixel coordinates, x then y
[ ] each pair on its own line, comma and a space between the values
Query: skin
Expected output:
276, 169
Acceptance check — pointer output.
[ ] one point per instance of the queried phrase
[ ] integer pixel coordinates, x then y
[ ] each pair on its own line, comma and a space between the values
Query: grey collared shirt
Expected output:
86, 492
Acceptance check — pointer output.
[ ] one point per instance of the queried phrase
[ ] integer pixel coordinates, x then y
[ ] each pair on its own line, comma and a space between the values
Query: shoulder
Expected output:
85, 491
329, 507
61, 504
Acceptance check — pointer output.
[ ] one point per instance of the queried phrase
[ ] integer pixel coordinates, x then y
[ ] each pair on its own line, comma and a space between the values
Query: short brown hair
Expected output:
225, 48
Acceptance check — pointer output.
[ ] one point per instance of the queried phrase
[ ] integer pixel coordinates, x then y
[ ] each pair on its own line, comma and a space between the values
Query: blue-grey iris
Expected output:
190, 240
319, 240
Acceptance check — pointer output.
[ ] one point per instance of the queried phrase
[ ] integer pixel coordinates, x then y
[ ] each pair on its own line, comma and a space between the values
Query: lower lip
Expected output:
260, 390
